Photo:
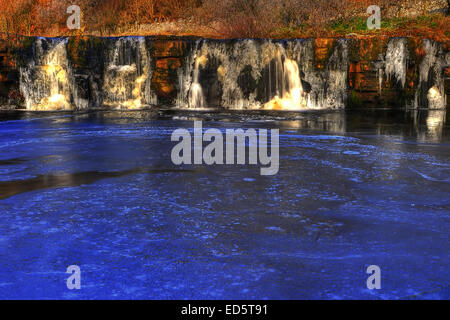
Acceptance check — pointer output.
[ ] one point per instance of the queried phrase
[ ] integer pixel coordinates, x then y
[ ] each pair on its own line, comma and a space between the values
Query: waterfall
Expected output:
290, 88
262, 74
295, 74
127, 75
325, 88
292, 79
196, 98
47, 79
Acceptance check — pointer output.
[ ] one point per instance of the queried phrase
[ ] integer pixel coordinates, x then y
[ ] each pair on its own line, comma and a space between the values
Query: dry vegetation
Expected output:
226, 18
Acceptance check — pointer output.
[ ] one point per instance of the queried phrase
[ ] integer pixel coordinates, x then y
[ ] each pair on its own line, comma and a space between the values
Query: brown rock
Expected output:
162, 81
168, 48
323, 50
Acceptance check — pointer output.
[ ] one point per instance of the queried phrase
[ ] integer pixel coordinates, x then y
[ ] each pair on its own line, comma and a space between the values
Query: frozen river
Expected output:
99, 190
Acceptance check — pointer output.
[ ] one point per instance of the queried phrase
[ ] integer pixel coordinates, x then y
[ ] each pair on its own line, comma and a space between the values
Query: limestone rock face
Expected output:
9, 78
169, 55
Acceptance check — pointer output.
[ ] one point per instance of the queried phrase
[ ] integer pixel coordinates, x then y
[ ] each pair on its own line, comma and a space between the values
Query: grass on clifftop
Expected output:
434, 26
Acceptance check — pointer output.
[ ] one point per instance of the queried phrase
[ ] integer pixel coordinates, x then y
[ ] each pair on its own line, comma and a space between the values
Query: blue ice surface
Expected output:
340, 203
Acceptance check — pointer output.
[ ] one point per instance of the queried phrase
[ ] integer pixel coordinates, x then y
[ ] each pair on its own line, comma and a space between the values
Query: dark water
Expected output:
99, 190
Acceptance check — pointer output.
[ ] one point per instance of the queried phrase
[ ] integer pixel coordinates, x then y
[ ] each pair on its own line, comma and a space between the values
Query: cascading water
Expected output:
255, 74
47, 80
240, 74
127, 76
196, 98
291, 89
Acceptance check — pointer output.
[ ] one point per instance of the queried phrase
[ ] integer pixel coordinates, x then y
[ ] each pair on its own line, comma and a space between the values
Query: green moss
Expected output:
394, 23
355, 24
428, 21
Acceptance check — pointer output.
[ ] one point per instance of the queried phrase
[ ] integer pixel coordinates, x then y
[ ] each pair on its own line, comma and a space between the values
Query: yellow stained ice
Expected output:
137, 102
221, 72
54, 102
120, 89
56, 71
202, 60
125, 85
292, 98
434, 93
57, 100
49, 68
49, 83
